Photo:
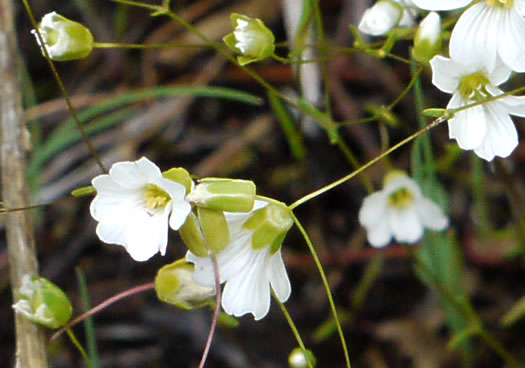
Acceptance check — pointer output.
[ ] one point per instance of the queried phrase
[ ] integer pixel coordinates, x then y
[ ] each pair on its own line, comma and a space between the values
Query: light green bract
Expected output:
42, 302
63, 38
230, 195
251, 39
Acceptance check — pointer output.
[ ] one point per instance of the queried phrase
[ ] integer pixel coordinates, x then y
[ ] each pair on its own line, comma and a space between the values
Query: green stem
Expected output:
407, 89
326, 286
77, 344
292, 326
62, 87
328, 187
116, 45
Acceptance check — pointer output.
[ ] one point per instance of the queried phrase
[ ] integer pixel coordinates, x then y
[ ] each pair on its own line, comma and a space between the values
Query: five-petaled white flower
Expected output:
487, 128
488, 30
251, 262
134, 205
399, 210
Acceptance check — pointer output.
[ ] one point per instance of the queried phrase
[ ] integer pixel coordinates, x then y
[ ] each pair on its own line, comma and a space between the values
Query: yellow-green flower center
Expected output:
473, 86
156, 197
501, 3
401, 198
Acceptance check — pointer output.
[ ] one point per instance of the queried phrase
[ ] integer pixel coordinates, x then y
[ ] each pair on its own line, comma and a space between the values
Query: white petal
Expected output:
475, 35
380, 234
431, 215
279, 278
500, 74
249, 291
441, 4
511, 42
128, 175
501, 137
405, 225
514, 105
380, 18
446, 74
402, 182
373, 209
468, 127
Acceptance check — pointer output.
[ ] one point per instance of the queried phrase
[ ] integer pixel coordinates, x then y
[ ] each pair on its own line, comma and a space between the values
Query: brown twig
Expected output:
30, 343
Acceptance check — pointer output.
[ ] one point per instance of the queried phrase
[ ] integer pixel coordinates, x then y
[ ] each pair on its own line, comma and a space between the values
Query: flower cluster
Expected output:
136, 203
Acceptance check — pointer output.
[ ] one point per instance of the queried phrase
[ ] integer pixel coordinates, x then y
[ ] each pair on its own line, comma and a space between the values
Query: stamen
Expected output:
501, 3
473, 86
401, 198
155, 197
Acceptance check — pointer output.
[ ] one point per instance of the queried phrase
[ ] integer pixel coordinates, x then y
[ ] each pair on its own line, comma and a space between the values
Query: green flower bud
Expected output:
230, 195
174, 285
205, 232
64, 39
251, 39
427, 41
269, 225
300, 358
42, 302
179, 175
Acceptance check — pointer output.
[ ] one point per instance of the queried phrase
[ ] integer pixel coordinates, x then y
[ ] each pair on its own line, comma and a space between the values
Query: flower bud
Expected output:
251, 39
174, 285
427, 41
205, 232
300, 358
64, 39
42, 302
230, 195
381, 18
269, 225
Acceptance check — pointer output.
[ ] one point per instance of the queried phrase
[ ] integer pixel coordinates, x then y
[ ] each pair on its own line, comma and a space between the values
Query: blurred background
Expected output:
132, 105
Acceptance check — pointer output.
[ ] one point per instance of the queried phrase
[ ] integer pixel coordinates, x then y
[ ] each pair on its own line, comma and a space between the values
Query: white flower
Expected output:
381, 18
64, 39
488, 30
399, 210
133, 205
487, 129
248, 266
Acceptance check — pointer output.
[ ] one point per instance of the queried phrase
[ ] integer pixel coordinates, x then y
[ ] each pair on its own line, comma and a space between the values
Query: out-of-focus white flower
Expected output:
64, 39
42, 302
381, 18
134, 204
399, 210
427, 41
488, 30
250, 38
252, 261
487, 128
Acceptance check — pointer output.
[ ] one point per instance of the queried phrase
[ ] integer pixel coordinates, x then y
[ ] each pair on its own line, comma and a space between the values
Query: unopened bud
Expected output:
427, 41
229, 195
251, 39
300, 358
381, 18
63, 38
174, 285
42, 302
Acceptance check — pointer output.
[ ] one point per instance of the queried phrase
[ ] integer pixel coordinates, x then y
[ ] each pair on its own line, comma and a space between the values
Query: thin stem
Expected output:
326, 286
407, 89
328, 187
289, 319
63, 89
113, 45
79, 347
136, 290
215, 313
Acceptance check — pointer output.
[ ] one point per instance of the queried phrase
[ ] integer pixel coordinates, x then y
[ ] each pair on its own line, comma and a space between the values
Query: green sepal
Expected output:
174, 285
84, 191
269, 225
434, 112
214, 229
179, 175
192, 236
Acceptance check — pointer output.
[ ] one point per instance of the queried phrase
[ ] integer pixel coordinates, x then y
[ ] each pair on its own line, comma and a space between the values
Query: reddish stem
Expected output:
215, 314
113, 299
